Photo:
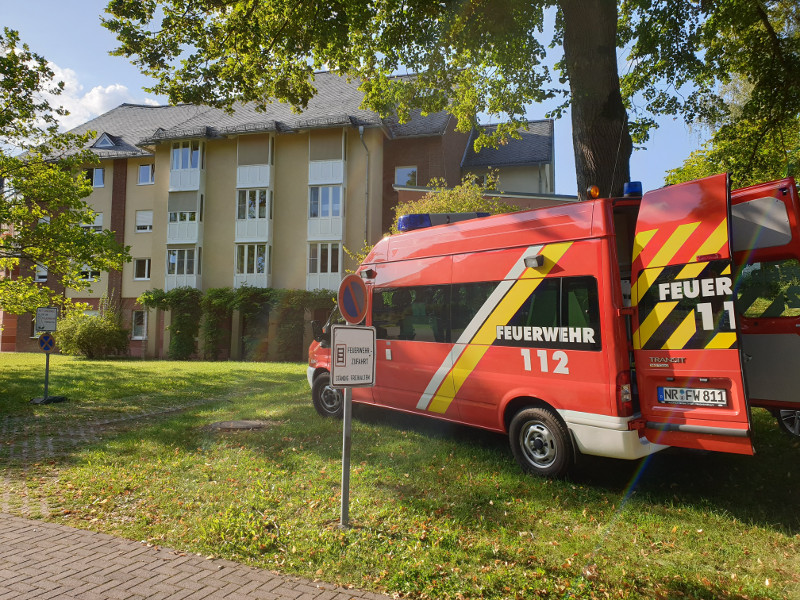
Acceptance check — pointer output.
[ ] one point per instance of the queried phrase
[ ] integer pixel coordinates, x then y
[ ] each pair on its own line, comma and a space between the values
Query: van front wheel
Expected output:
328, 401
540, 442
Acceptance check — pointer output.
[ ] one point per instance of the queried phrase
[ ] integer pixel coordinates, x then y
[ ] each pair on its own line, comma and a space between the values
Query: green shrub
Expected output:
93, 336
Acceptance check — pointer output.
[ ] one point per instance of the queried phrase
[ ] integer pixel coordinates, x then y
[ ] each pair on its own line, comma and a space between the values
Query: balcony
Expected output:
253, 230
260, 280
253, 176
174, 281
186, 180
325, 228
323, 281
322, 172
186, 229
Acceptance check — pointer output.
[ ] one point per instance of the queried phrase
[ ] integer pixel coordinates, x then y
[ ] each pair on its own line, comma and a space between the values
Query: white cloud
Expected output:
84, 106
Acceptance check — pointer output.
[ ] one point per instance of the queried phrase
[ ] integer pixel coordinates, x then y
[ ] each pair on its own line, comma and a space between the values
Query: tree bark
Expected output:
600, 135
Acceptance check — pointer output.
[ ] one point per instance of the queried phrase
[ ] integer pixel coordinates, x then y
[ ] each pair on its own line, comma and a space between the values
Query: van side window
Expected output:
467, 300
560, 313
411, 313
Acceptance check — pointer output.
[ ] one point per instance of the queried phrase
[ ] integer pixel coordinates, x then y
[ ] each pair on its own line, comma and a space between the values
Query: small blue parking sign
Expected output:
47, 343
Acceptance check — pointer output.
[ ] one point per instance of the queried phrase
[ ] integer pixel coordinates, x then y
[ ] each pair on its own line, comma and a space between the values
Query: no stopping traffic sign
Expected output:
353, 299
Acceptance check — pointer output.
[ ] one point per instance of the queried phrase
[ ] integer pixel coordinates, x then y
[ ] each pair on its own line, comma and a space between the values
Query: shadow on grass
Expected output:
762, 490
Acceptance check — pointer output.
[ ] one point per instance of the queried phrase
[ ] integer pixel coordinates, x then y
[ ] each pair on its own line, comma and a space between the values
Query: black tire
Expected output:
540, 442
789, 421
328, 402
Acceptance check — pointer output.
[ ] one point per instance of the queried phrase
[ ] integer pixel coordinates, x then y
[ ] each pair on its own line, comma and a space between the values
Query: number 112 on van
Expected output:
559, 361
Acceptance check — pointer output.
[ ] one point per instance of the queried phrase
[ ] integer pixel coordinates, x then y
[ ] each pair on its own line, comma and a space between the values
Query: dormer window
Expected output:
104, 142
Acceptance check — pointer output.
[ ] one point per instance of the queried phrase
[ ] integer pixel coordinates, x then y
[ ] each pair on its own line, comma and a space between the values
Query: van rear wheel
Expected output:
540, 442
789, 421
328, 401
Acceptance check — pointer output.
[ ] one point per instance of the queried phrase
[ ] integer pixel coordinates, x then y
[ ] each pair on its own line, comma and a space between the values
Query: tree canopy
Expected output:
42, 189
478, 57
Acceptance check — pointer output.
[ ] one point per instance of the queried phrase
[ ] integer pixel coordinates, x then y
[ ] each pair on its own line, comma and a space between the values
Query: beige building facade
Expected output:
210, 199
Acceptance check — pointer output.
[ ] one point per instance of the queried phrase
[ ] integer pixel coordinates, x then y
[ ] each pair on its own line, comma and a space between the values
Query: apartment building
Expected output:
207, 198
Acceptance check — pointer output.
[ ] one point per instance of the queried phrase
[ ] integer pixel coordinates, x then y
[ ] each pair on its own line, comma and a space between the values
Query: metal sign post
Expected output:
352, 365
47, 344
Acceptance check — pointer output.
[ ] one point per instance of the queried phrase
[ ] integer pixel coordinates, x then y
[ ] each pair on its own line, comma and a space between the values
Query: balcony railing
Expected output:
186, 180
253, 176
185, 232
174, 281
322, 172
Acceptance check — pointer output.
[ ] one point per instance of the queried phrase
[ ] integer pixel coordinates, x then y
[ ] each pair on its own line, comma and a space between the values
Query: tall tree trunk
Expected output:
600, 135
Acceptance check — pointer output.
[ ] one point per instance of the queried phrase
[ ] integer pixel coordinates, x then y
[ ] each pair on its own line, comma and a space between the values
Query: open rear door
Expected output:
766, 250
686, 348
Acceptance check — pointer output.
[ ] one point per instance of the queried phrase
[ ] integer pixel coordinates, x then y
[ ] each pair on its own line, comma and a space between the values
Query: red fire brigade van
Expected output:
613, 327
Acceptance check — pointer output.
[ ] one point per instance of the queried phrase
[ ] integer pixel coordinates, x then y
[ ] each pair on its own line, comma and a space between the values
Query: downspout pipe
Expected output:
366, 190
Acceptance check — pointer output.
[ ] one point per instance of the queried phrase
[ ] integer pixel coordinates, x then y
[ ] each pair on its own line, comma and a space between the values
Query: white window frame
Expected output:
187, 155
181, 259
322, 206
149, 170
406, 170
315, 254
246, 259
97, 176
97, 225
144, 221
143, 334
88, 274
249, 206
184, 216
40, 274
147, 266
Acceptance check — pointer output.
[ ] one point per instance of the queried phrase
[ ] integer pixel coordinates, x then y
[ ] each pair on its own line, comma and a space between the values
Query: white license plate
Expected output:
696, 396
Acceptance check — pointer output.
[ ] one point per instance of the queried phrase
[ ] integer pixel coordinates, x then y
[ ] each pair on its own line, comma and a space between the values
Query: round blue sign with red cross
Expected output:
353, 299
47, 343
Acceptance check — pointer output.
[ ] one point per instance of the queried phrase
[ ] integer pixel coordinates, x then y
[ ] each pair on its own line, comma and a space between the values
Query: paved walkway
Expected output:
45, 561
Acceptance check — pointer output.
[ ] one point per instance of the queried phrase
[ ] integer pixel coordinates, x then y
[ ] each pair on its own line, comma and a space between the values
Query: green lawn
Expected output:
438, 511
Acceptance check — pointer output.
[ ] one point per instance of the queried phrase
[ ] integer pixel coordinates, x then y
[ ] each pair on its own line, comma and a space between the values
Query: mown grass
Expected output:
437, 511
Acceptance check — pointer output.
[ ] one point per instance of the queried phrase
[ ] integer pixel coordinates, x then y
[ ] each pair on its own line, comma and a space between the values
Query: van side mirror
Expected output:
317, 331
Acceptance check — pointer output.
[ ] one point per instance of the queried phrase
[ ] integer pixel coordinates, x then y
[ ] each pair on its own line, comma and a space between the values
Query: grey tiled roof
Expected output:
336, 103
129, 123
536, 146
419, 125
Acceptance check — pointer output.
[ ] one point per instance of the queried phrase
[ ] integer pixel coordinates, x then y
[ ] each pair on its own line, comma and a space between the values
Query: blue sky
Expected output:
68, 33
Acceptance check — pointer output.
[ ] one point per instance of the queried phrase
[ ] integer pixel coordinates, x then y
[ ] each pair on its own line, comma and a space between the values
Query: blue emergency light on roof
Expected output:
632, 188
423, 220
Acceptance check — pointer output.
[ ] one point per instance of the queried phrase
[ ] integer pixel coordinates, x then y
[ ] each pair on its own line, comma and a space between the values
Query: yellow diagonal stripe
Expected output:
673, 244
646, 279
682, 334
726, 270
722, 340
716, 241
501, 315
641, 240
691, 270
654, 320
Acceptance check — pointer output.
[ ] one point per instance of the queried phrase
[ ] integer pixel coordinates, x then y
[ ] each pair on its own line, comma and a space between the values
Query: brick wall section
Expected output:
435, 156
117, 224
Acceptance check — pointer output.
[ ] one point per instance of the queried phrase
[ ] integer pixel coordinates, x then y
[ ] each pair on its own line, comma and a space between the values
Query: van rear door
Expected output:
686, 345
766, 250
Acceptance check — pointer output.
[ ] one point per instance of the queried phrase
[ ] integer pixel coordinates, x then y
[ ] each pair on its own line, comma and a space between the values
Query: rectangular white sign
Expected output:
352, 356
46, 318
